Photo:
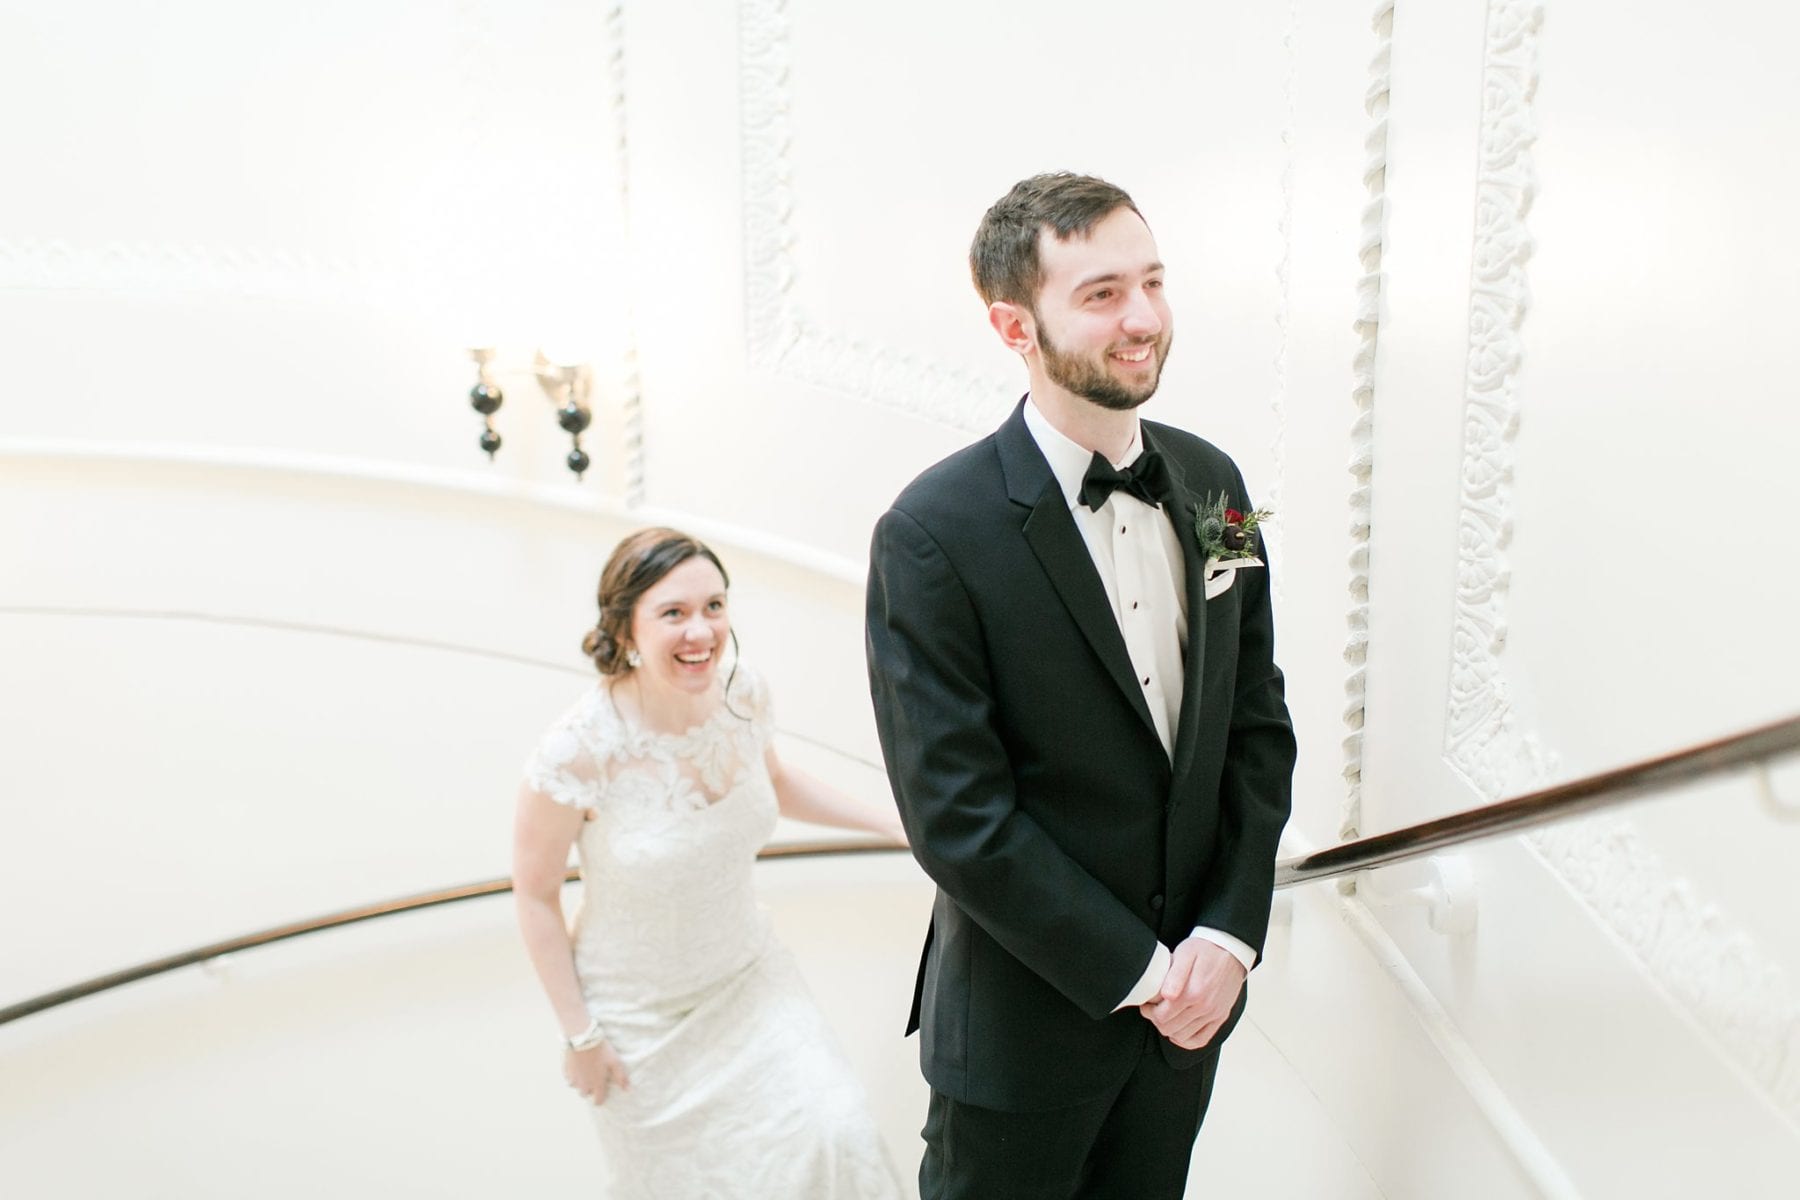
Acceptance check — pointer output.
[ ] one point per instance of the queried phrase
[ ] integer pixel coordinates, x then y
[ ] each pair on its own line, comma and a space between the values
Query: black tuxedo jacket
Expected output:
1033, 786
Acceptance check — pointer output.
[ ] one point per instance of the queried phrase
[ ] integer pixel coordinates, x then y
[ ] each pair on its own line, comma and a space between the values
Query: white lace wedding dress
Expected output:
738, 1090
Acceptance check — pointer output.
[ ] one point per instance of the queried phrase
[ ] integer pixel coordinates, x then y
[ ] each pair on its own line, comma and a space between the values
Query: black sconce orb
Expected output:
569, 388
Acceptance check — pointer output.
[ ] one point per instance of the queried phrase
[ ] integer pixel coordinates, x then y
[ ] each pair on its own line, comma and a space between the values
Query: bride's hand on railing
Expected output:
893, 830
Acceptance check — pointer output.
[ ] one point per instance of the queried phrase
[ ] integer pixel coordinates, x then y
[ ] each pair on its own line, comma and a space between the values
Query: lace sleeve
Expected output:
750, 695
563, 766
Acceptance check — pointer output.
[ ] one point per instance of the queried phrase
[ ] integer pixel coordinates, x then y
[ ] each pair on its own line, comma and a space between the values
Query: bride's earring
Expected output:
633, 659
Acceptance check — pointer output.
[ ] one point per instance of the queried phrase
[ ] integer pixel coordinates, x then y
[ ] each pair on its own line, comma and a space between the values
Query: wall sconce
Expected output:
568, 386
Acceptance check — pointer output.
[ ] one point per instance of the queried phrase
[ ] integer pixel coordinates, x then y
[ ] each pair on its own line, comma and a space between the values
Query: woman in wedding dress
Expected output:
712, 1072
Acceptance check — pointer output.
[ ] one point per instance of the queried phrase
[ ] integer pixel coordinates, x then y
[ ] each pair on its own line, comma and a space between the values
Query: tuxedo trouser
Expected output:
1131, 1144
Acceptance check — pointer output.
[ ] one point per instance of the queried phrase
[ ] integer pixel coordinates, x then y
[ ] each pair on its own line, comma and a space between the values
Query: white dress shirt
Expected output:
1139, 562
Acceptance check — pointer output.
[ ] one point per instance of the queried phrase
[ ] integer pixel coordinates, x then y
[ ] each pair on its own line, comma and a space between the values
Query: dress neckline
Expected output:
638, 731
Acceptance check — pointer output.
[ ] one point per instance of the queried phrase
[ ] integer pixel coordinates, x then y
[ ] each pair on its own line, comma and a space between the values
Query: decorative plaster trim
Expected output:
1709, 969
1362, 430
897, 379
469, 484
1695, 955
1482, 742
1284, 278
763, 71
631, 400
782, 339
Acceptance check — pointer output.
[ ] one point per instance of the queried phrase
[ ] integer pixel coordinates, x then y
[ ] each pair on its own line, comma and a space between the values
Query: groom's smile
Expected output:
1103, 325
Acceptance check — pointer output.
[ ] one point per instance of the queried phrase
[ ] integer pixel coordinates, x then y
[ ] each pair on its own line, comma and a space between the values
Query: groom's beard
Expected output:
1090, 379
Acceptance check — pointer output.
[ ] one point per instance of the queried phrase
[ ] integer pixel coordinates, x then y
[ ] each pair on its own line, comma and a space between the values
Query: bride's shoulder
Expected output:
590, 725
747, 690
567, 764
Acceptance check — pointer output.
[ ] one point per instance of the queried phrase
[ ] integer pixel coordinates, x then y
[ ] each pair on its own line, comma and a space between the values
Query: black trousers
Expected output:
1134, 1144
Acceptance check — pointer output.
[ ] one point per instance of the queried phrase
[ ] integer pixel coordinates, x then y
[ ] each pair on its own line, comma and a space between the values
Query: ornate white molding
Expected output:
1362, 429
1481, 740
782, 339
1696, 955
1284, 277
763, 68
631, 401
1709, 968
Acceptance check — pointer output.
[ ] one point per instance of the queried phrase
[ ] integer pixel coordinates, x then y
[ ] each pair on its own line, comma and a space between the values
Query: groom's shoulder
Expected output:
952, 485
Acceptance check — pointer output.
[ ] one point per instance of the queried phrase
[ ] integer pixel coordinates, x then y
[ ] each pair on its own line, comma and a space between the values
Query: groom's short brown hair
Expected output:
1003, 259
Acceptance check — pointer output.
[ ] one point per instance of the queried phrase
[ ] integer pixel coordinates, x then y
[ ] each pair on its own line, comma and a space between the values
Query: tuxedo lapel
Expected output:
1180, 509
1050, 531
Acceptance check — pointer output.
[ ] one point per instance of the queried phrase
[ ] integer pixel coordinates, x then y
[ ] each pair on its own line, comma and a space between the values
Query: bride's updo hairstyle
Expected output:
636, 564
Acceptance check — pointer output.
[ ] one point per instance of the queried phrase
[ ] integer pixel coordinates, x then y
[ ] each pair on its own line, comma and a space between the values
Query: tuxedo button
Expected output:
1156, 902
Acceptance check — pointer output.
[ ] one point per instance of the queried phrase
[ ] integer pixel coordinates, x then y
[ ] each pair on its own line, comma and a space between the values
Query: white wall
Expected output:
277, 636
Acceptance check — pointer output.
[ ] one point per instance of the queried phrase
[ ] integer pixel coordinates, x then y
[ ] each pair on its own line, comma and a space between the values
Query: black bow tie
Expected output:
1147, 479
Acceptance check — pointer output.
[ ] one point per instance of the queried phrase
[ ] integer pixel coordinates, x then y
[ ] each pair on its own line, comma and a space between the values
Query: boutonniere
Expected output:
1228, 541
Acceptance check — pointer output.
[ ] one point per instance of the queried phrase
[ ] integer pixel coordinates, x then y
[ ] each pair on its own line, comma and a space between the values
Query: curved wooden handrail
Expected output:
1736, 752
352, 916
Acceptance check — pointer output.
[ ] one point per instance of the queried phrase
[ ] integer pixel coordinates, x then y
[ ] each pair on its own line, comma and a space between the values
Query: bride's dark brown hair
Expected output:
635, 566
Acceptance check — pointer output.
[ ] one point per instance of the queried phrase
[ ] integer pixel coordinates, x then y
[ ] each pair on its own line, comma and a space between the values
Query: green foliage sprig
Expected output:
1225, 533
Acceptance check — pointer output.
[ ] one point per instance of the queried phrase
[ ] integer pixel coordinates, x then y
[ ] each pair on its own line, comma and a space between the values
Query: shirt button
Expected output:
1121, 529
1134, 606
1146, 681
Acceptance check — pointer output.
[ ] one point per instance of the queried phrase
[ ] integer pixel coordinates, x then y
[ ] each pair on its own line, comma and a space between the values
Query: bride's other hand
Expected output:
802, 796
894, 831
594, 1072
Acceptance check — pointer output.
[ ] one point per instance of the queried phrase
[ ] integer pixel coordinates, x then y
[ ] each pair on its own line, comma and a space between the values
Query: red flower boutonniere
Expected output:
1228, 541
1225, 533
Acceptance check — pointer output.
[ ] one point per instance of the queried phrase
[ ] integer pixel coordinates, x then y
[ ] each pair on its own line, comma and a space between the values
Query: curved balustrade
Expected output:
352, 916
1740, 751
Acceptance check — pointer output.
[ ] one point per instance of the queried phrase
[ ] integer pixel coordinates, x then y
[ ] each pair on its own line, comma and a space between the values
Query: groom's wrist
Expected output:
1236, 947
1149, 984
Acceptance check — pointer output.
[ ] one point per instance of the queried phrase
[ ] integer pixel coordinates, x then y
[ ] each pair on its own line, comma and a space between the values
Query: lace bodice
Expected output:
668, 904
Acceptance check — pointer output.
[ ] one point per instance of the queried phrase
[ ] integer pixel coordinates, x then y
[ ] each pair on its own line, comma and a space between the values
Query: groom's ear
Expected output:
1015, 325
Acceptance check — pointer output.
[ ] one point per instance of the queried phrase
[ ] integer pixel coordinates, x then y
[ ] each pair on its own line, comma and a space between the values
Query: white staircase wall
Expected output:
277, 637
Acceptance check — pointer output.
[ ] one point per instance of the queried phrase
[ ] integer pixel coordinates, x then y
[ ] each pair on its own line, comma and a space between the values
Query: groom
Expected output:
1084, 727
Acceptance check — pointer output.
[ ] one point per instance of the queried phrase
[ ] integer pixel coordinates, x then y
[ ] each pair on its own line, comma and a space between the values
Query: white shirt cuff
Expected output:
1150, 982
1239, 950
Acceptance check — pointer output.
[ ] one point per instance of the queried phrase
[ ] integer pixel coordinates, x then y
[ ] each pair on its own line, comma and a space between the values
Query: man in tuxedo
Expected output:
1084, 727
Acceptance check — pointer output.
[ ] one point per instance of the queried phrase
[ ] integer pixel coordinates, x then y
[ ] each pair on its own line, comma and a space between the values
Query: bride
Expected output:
687, 1025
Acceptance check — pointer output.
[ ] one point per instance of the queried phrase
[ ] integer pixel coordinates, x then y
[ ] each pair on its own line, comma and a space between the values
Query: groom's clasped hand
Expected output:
1197, 995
